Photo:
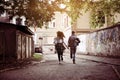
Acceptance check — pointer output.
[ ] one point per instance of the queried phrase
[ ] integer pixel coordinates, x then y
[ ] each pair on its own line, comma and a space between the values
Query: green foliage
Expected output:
75, 7
37, 12
106, 7
37, 56
2, 4
97, 19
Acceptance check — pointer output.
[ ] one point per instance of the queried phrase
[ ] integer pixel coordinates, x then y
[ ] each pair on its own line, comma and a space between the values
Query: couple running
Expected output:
60, 46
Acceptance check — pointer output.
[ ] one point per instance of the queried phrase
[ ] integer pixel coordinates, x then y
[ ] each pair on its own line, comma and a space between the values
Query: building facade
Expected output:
45, 36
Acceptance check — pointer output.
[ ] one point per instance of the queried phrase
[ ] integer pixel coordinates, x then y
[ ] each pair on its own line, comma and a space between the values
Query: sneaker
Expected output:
71, 56
73, 61
61, 58
60, 63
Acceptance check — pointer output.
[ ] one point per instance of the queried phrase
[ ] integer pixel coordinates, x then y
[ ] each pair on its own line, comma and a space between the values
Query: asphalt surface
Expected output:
50, 69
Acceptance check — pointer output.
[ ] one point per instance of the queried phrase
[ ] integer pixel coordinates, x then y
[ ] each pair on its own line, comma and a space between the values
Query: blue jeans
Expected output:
72, 52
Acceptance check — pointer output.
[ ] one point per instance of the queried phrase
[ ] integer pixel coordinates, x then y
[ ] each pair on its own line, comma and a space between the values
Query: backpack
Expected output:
77, 41
73, 41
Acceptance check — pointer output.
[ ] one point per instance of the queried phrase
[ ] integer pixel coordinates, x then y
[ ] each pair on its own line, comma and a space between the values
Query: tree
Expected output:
37, 12
3, 4
105, 10
74, 9
99, 8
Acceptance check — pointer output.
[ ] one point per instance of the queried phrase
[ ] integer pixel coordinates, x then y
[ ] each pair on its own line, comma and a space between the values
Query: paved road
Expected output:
49, 69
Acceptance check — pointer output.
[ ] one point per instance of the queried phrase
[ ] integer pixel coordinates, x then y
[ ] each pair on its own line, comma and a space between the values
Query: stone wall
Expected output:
104, 42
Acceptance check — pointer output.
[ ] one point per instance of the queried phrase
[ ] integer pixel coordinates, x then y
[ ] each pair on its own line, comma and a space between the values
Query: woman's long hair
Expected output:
60, 34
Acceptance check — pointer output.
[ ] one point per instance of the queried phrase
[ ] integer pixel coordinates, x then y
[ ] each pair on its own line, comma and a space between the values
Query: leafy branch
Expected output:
37, 12
99, 10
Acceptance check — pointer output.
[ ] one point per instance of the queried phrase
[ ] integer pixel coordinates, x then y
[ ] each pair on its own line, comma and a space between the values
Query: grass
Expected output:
7, 65
37, 56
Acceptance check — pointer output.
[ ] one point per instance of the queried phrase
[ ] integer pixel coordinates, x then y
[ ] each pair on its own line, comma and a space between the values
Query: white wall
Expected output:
82, 46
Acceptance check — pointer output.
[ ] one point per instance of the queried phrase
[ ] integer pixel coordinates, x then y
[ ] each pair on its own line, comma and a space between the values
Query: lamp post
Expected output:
40, 38
41, 46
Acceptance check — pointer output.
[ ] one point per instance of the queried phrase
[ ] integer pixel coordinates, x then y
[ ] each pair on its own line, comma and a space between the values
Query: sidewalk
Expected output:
106, 60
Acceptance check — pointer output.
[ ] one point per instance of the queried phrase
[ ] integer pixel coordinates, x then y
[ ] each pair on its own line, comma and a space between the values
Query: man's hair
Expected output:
73, 32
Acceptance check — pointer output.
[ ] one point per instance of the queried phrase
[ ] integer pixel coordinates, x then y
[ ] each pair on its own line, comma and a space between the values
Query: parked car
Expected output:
38, 49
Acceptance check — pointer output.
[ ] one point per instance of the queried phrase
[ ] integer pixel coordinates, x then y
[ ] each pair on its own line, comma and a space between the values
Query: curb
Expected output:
100, 61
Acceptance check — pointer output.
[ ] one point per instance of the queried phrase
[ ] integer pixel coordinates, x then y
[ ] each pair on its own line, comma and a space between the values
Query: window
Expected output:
53, 24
